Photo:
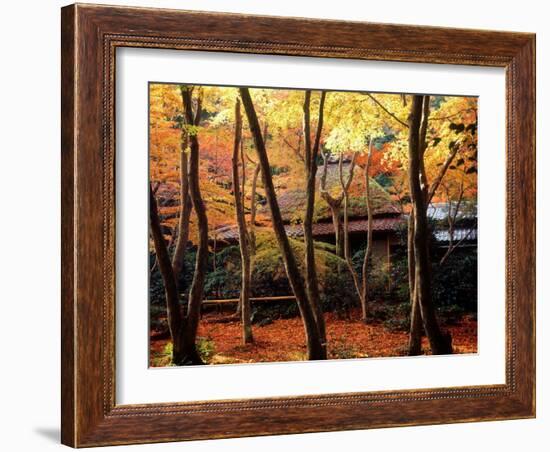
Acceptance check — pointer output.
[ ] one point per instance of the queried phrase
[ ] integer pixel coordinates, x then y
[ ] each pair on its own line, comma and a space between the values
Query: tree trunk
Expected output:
347, 257
243, 233
415, 339
178, 259
451, 221
368, 250
423, 145
252, 224
415, 336
440, 343
311, 153
253, 209
175, 317
335, 205
196, 292
315, 348
337, 223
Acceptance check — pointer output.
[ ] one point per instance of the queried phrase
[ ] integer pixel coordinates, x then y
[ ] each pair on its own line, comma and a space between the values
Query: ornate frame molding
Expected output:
90, 37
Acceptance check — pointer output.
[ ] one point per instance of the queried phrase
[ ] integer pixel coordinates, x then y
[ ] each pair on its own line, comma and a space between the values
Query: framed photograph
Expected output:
281, 225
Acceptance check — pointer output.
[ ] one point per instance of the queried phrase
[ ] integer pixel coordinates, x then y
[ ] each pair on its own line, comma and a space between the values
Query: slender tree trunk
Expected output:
253, 209
178, 259
252, 227
423, 145
336, 213
337, 224
440, 343
415, 336
335, 206
314, 345
311, 153
196, 292
451, 221
347, 257
176, 322
243, 233
368, 250
442, 171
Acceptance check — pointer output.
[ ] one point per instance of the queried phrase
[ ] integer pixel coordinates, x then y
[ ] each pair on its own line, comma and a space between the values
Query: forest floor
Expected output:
283, 340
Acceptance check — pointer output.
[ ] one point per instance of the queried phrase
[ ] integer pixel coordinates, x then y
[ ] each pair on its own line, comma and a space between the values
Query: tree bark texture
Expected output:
345, 185
311, 152
415, 335
244, 239
196, 292
368, 249
428, 191
335, 206
178, 259
440, 343
176, 321
315, 348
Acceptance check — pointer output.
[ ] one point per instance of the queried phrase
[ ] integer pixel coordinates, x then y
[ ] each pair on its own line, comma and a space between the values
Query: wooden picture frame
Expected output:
90, 36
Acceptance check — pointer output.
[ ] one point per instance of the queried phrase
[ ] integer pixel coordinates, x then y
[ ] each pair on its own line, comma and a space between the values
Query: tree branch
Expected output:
441, 118
317, 142
377, 102
442, 171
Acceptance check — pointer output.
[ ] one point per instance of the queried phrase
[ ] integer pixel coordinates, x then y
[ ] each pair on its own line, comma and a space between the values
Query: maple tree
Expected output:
447, 140
214, 170
244, 234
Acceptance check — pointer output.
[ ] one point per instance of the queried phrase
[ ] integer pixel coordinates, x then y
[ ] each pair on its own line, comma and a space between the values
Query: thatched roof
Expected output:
292, 202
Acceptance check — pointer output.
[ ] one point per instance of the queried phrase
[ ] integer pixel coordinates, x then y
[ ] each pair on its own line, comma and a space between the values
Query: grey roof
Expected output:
465, 234
440, 210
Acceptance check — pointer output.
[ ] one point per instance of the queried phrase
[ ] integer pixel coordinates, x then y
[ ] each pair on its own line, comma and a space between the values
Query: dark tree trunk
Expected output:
428, 191
244, 239
314, 345
311, 152
176, 321
415, 336
253, 209
186, 207
196, 292
440, 343
423, 145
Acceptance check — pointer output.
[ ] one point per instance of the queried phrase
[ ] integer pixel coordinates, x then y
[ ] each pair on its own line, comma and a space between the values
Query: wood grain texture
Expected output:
67, 225
90, 36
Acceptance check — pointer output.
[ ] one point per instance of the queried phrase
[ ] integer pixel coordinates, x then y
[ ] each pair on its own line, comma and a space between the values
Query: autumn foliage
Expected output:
353, 241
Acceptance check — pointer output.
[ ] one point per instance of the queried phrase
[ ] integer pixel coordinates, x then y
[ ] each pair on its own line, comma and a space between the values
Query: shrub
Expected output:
206, 348
340, 349
455, 282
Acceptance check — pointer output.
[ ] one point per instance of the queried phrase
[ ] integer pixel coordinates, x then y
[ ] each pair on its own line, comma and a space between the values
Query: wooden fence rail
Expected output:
225, 301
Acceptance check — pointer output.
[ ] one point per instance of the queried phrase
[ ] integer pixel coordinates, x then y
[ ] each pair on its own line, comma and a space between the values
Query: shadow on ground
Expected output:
50, 433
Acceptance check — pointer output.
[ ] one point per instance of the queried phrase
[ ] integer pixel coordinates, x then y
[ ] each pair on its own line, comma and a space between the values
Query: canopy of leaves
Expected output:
351, 121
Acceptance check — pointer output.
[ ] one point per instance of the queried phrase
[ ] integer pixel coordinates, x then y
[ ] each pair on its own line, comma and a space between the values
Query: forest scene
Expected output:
297, 224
